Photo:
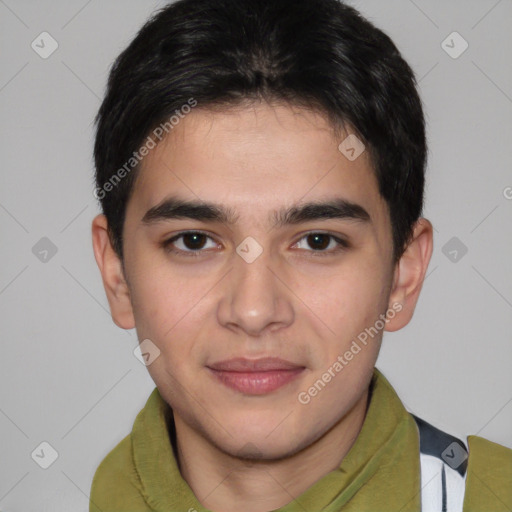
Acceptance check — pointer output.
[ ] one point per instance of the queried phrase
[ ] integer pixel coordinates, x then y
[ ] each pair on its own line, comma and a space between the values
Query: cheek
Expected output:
173, 310
166, 316
349, 299
164, 302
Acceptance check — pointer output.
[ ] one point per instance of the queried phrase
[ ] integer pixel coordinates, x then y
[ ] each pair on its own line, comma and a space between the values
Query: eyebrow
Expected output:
336, 208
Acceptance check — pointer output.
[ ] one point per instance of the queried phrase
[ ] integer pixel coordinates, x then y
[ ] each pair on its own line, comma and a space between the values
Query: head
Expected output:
287, 139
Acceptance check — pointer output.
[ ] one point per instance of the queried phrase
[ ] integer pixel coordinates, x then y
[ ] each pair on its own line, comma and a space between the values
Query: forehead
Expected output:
255, 159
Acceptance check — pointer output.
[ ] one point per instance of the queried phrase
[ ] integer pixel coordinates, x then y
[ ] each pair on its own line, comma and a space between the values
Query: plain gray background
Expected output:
68, 374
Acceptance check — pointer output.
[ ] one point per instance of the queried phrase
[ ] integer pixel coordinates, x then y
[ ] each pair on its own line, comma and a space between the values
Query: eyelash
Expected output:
167, 244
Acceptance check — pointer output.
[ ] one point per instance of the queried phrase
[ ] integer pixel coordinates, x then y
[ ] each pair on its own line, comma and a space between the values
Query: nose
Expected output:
255, 297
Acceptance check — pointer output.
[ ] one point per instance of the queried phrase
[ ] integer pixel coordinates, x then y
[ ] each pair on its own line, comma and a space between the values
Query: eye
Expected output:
193, 243
188, 243
323, 244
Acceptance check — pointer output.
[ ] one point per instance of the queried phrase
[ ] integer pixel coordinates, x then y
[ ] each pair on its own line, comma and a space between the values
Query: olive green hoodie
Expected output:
380, 473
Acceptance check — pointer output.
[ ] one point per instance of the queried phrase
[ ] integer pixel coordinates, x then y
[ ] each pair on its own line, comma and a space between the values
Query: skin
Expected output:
290, 302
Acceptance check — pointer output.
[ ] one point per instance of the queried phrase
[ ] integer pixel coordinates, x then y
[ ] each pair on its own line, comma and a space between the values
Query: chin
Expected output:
263, 441
259, 448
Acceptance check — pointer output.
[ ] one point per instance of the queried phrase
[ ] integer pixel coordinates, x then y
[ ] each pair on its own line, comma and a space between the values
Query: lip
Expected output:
264, 364
255, 376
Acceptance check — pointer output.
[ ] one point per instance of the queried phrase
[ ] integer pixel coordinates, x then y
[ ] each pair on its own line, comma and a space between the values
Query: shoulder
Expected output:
489, 476
131, 473
489, 454
458, 476
115, 484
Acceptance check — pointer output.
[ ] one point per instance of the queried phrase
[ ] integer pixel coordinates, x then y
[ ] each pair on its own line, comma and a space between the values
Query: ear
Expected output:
409, 275
114, 282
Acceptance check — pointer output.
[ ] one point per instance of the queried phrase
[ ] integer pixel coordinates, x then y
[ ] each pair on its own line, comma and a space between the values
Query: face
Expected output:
258, 305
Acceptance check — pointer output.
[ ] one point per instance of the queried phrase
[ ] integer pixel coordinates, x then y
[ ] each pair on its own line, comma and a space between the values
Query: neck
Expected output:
221, 481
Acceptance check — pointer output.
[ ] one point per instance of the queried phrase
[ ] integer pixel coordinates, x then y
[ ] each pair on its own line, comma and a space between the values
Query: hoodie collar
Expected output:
381, 471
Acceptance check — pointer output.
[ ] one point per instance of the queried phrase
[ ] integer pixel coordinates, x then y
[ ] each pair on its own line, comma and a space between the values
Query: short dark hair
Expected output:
318, 54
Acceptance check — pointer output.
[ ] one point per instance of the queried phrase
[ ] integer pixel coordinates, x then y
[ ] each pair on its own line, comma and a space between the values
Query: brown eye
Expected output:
194, 241
322, 244
318, 241
189, 243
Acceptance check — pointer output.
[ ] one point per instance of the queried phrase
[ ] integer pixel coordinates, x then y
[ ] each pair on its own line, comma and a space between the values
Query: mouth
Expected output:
255, 376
